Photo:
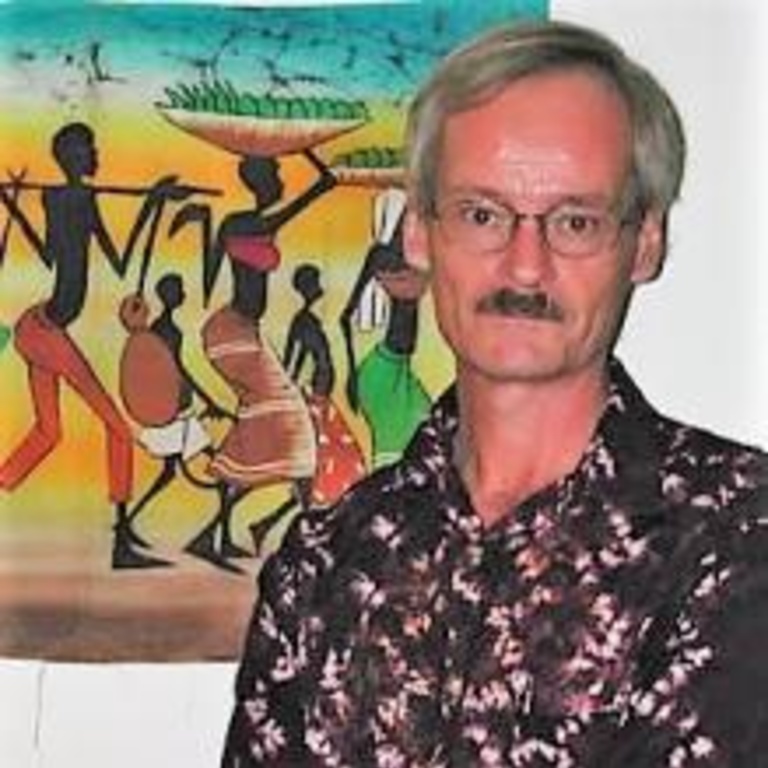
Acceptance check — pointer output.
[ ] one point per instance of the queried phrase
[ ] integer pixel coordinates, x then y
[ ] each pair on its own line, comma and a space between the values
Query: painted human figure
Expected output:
340, 460
181, 436
272, 439
73, 221
384, 387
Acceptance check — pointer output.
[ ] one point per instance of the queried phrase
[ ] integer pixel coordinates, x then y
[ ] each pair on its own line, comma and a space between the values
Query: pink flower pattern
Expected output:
614, 620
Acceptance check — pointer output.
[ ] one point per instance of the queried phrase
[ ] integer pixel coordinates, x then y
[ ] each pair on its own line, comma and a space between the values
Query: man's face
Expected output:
555, 141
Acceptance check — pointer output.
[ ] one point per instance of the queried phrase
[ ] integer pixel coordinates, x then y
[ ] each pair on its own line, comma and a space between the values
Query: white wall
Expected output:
113, 716
694, 341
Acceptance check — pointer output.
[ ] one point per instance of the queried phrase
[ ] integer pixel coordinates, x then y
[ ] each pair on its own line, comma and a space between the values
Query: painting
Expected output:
206, 320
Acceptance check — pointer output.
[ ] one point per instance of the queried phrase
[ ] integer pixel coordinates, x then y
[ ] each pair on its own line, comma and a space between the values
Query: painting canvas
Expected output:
206, 320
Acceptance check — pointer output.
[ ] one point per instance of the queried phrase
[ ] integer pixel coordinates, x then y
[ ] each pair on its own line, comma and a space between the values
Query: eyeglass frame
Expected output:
632, 215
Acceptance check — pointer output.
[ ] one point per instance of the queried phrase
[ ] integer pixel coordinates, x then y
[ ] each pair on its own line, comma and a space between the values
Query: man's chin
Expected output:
521, 369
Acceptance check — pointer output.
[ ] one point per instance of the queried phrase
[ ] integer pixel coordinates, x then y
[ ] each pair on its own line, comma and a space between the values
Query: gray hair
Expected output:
476, 72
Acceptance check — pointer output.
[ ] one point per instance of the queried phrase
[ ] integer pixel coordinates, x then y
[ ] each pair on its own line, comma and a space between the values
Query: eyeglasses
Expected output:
571, 230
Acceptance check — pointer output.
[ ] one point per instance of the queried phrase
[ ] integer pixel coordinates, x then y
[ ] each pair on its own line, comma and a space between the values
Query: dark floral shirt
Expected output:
618, 618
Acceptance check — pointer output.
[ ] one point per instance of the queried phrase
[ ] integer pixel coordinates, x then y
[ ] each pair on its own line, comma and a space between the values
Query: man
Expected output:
554, 574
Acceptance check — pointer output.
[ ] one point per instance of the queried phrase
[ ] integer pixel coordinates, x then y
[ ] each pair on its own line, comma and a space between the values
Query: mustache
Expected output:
510, 303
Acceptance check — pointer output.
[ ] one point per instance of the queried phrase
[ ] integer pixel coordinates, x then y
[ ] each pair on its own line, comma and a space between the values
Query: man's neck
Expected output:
515, 439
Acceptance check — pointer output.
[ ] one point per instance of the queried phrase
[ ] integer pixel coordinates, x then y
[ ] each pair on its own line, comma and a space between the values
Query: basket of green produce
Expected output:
259, 124
374, 166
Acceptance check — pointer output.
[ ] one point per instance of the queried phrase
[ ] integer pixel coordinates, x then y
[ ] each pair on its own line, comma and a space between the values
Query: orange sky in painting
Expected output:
134, 150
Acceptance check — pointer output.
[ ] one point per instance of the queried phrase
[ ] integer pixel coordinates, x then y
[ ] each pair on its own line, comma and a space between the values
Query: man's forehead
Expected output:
531, 172
527, 139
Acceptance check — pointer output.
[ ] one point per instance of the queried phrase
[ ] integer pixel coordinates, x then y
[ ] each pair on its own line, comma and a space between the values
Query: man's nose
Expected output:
526, 256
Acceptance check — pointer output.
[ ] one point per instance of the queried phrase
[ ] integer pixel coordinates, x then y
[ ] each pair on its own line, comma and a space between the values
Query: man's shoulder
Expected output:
685, 476
680, 452
706, 457
712, 484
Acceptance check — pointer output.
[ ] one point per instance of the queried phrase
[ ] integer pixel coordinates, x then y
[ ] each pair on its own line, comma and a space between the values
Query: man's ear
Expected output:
416, 240
650, 248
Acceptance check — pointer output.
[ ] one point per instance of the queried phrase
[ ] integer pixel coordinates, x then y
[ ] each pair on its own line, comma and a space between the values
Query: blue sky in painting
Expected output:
349, 50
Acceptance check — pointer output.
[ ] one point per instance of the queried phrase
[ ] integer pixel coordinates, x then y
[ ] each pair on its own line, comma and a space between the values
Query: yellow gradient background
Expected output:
67, 493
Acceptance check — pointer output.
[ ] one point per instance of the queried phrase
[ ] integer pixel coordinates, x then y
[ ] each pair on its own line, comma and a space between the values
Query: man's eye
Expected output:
479, 215
577, 223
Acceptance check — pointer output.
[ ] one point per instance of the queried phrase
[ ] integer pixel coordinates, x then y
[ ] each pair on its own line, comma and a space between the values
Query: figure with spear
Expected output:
72, 221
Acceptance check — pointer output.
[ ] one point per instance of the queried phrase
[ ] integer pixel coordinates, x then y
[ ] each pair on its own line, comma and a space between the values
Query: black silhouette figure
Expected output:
340, 459
181, 437
272, 439
384, 387
73, 220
